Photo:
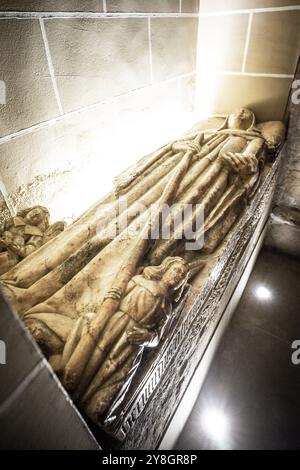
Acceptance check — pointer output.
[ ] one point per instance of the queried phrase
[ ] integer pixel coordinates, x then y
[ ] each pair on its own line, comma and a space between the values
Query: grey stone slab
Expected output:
30, 97
291, 194
42, 417
96, 59
285, 238
51, 5
142, 6
177, 56
21, 355
190, 6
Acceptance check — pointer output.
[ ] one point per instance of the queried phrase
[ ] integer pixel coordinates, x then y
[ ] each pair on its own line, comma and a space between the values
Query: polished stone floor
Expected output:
251, 396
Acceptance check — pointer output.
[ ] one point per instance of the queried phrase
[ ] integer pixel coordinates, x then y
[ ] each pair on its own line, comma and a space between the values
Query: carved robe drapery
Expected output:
67, 278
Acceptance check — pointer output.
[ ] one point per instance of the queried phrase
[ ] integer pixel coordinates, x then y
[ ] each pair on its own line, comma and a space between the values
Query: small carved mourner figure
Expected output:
93, 303
140, 320
23, 234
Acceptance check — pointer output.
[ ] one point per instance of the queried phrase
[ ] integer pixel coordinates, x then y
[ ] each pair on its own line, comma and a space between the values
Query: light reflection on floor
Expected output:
251, 396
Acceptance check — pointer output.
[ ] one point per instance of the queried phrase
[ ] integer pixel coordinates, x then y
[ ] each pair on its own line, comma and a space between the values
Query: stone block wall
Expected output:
90, 87
247, 55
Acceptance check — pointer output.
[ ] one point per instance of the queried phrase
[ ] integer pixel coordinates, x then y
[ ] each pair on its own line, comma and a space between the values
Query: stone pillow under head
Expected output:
273, 132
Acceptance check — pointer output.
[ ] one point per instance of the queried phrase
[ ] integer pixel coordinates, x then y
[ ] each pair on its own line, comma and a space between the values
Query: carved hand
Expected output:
139, 336
114, 293
186, 146
244, 165
17, 250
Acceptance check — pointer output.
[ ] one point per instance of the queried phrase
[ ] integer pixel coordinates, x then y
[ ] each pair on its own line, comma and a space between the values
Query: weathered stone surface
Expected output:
97, 59
51, 5
4, 211
178, 56
221, 5
143, 6
190, 6
30, 98
269, 29
58, 165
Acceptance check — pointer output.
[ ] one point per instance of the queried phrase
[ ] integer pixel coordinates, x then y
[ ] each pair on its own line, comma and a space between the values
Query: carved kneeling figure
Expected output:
139, 322
84, 298
25, 233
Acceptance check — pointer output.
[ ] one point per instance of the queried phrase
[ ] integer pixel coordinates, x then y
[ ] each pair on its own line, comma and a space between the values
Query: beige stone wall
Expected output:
248, 51
90, 87
93, 85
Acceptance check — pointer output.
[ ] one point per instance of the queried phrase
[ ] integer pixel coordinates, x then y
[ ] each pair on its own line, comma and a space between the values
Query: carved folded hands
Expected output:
244, 165
186, 146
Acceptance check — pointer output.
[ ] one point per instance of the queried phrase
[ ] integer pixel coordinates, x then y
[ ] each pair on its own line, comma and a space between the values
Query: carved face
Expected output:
7, 237
18, 242
35, 216
175, 275
242, 119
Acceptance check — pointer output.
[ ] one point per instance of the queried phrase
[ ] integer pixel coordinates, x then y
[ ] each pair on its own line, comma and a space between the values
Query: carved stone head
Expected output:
241, 118
173, 271
37, 215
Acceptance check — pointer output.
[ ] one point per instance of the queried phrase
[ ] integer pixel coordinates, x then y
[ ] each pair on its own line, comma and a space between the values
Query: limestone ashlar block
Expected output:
274, 43
222, 42
266, 96
51, 5
177, 56
74, 150
143, 6
97, 59
190, 6
152, 116
30, 98
223, 5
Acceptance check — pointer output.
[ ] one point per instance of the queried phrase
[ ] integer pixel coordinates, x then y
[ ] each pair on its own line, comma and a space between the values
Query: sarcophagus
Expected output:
124, 301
